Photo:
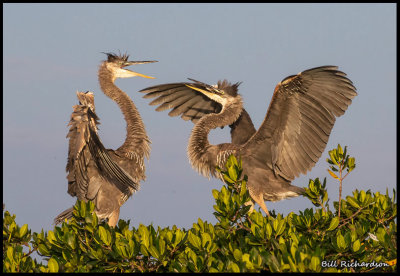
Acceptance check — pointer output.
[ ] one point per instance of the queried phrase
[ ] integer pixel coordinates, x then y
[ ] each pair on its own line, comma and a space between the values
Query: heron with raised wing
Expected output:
289, 142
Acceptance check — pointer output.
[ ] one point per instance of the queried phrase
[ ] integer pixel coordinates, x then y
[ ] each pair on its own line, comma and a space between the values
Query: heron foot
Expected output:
260, 200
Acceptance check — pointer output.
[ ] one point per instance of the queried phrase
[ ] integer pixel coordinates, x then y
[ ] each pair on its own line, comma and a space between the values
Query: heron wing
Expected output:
299, 120
87, 155
182, 100
243, 129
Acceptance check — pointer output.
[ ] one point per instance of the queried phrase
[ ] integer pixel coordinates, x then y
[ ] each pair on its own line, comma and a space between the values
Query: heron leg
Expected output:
113, 219
260, 200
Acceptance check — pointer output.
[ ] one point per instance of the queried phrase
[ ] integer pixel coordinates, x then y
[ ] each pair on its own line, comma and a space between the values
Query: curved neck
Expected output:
201, 156
136, 141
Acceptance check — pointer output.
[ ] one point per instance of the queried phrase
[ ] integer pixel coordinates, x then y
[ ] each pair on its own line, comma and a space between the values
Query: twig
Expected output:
340, 187
349, 218
320, 203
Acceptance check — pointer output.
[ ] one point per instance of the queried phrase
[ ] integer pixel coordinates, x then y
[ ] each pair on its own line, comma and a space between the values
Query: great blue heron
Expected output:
105, 176
290, 140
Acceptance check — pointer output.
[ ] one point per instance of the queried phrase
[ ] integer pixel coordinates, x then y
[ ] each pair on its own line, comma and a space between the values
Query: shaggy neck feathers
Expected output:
136, 137
199, 146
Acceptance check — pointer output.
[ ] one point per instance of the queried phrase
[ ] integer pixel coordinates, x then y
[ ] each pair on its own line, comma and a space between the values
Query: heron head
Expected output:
116, 63
223, 92
86, 98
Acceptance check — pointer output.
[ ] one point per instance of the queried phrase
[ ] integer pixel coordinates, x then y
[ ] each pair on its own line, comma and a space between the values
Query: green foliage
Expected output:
315, 240
339, 161
339, 158
15, 240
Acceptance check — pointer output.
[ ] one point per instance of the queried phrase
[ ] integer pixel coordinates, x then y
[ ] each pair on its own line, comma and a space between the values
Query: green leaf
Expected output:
10, 254
269, 230
334, 223
43, 250
380, 234
83, 209
228, 179
194, 240
233, 267
356, 245
292, 265
200, 223
352, 202
362, 196
105, 235
70, 238
237, 254
144, 235
325, 197
205, 237
232, 173
144, 251
191, 255
246, 259
273, 264
51, 237
281, 227
154, 252
215, 193
351, 164
332, 154
23, 230
243, 189
232, 161
315, 262
161, 246
276, 223
340, 150
53, 265
340, 242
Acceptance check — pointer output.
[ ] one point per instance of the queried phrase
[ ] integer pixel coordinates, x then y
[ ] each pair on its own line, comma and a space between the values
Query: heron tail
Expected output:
67, 214
298, 190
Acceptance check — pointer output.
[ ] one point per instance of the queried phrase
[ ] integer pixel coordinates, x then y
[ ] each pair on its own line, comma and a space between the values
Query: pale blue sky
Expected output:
52, 50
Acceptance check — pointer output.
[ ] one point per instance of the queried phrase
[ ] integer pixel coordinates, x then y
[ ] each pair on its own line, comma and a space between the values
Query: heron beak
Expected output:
210, 94
128, 73
139, 62
214, 94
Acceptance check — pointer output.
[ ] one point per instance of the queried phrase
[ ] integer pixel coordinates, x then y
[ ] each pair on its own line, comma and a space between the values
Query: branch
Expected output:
349, 218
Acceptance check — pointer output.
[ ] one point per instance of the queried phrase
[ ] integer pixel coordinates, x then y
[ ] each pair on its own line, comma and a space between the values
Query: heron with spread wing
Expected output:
105, 176
290, 140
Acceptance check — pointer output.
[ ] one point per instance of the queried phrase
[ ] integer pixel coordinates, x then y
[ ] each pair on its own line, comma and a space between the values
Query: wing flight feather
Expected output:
86, 152
299, 120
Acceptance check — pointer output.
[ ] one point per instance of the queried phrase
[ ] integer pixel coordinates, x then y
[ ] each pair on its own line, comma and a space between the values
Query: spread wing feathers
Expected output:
86, 153
242, 129
299, 120
184, 101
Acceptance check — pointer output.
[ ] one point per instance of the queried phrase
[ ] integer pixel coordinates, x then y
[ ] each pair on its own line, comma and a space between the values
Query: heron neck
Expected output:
136, 138
199, 151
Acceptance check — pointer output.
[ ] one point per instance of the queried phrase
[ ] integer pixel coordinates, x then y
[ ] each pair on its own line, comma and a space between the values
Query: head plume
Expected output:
112, 57
227, 87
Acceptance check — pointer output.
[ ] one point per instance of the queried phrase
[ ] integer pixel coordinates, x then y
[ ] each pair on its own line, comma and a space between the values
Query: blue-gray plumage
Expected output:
105, 176
290, 140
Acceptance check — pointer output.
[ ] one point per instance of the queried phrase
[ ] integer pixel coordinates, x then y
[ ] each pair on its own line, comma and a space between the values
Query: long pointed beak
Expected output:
210, 94
139, 62
136, 74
